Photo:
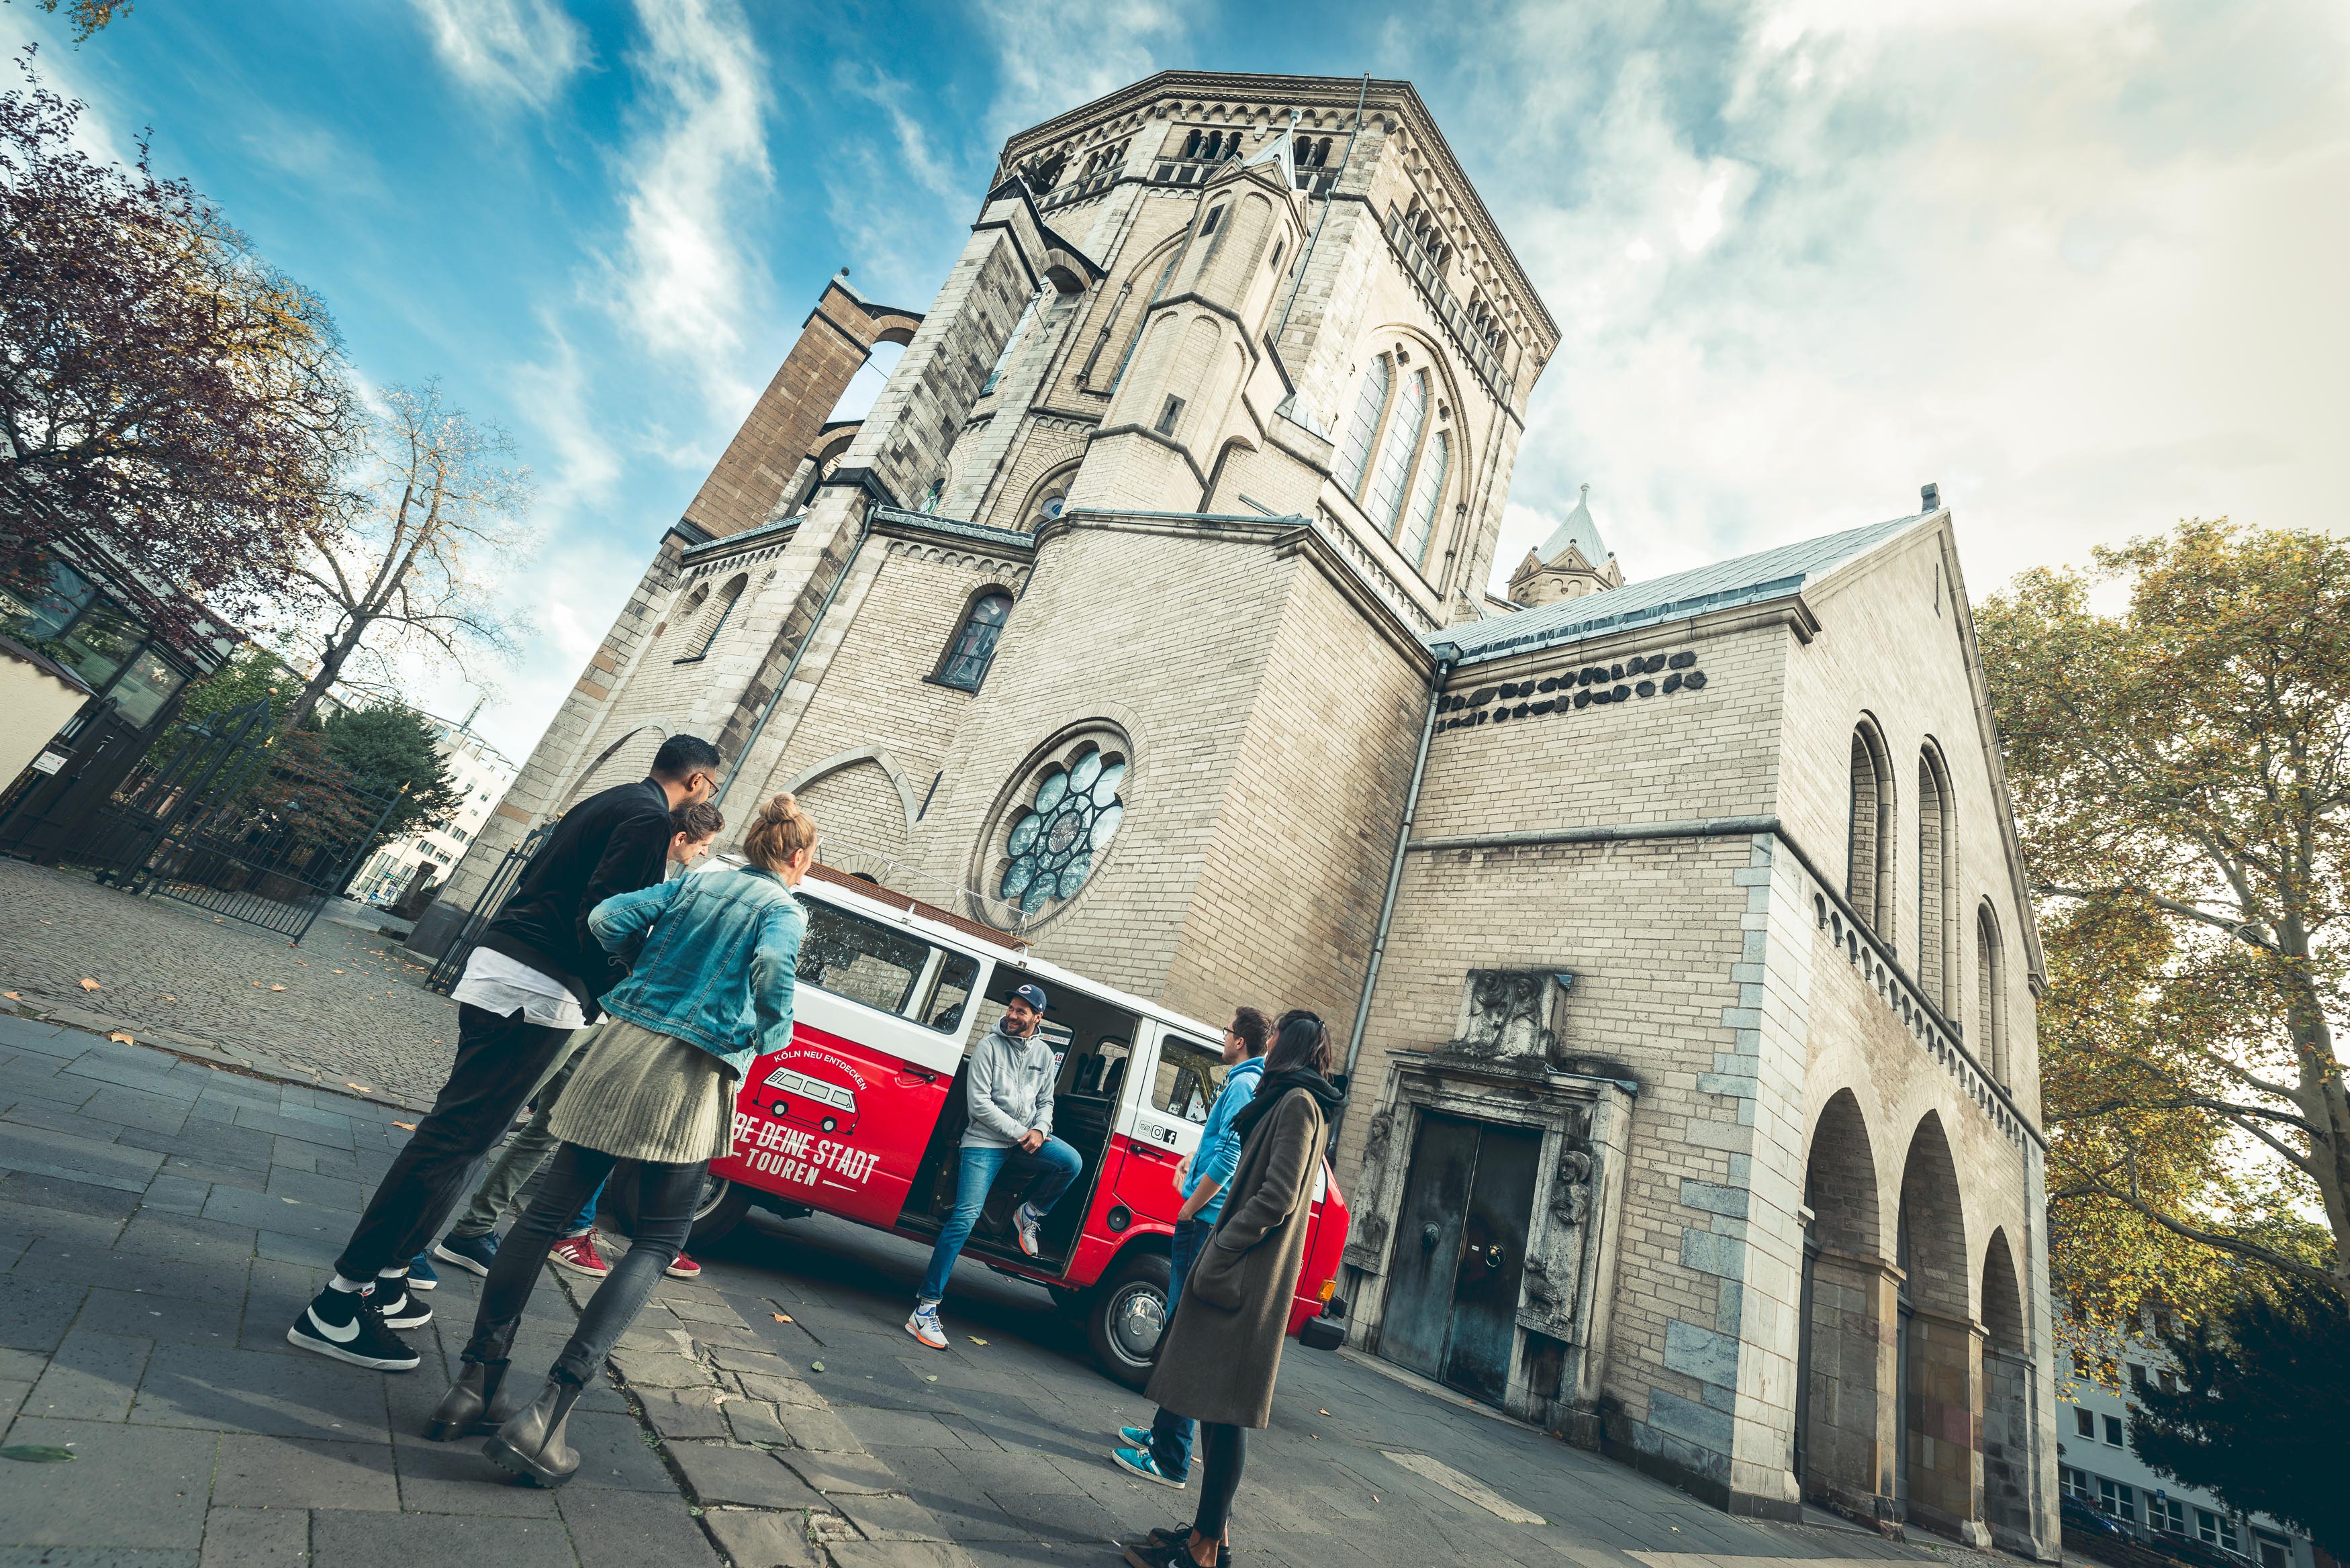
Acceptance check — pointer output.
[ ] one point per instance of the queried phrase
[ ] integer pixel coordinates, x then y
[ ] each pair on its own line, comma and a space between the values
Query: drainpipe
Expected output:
1447, 654
776, 698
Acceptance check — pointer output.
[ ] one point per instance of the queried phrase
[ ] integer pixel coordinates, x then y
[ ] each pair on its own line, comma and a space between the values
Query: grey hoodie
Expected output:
1011, 1089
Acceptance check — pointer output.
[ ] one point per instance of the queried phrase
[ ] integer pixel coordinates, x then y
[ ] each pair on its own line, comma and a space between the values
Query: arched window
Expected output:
1401, 445
715, 619
1215, 144
1869, 874
1427, 495
1004, 356
1363, 425
1191, 145
1937, 875
973, 649
1990, 996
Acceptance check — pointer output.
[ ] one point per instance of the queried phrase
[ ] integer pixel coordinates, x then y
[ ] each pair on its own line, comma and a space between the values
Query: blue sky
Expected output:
2078, 263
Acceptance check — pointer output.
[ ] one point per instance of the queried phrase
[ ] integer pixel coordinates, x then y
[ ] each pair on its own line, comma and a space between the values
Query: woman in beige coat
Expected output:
1221, 1352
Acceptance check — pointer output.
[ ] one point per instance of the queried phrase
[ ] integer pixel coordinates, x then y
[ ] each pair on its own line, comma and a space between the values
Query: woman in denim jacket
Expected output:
714, 959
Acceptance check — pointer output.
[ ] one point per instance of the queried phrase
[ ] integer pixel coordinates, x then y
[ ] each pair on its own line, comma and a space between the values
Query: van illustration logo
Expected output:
793, 1092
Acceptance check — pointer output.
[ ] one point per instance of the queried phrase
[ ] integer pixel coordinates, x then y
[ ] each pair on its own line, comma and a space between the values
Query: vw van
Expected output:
861, 1114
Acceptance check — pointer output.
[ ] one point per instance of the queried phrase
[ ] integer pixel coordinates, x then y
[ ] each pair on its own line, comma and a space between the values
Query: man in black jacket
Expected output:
534, 978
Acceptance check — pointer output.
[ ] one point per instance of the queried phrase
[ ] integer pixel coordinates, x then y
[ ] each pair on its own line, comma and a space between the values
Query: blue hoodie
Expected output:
1219, 1147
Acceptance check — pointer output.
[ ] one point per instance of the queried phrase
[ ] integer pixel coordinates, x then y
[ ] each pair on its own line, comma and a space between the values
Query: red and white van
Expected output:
862, 1115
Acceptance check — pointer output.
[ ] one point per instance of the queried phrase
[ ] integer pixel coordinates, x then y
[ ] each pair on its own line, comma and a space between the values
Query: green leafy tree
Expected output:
2257, 1381
389, 751
2180, 764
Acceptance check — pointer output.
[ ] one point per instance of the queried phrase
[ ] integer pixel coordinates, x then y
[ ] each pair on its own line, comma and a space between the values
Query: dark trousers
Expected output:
1224, 1450
499, 1061
1170, 1435
665, 1198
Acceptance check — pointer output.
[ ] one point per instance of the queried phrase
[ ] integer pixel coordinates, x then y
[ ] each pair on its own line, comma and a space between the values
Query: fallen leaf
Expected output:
816, 1367
930, 1377
338, 971
362, 1088
37, 1454
779, 1317
88, 984
126, 1038
974, 1339
11, 995
1326, 1412
276, 988
405, 1126
171, 998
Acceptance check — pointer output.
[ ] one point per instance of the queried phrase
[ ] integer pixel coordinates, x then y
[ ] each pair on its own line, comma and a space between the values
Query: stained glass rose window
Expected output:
1056, 838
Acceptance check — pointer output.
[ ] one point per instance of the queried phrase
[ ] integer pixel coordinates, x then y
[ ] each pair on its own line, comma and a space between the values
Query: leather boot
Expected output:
462, 1411
531, 1443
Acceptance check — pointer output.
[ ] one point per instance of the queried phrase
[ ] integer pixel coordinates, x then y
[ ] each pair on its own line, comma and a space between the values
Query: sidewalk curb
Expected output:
204, 1053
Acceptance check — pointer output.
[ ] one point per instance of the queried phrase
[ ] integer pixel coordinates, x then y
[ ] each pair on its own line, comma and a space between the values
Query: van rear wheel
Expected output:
1125, 1315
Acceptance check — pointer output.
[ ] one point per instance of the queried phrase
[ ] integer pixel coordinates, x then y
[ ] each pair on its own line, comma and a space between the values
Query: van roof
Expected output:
954, 931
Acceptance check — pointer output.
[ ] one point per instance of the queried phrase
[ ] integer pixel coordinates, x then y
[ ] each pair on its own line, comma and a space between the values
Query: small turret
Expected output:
1571, 563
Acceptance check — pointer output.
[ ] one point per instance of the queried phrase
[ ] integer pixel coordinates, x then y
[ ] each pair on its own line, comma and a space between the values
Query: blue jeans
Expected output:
1170, 1435
1057, 1166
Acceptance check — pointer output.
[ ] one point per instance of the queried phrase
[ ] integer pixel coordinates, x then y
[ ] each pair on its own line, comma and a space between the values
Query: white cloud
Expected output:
683, 280
2073, 263
1054, 55
521, 50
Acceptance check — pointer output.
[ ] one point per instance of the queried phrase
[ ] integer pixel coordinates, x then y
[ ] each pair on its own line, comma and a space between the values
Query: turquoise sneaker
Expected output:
1138, 1461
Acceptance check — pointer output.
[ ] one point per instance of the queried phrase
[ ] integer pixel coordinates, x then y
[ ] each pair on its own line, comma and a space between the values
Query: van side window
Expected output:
861, 960
1189, 1077
952, 993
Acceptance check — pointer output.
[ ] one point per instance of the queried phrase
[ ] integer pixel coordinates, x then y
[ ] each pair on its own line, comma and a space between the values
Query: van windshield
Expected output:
884, 967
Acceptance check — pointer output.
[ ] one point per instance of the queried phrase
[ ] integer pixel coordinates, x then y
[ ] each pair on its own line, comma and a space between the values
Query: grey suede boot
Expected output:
531, 1443
463, 1411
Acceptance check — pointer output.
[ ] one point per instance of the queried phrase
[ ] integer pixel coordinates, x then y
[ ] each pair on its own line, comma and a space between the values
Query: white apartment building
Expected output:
481, 773
2097, 1466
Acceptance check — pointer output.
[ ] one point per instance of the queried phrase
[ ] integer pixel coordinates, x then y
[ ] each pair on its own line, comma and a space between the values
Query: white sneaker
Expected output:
925, 1327
1024, 1220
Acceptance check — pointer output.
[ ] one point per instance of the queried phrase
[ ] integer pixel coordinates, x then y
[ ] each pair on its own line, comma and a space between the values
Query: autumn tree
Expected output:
2177, 727
405, 568
160, 386
87, 15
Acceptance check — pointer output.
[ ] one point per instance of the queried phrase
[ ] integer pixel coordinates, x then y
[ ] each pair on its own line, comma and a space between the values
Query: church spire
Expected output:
1571, 563
1579, 530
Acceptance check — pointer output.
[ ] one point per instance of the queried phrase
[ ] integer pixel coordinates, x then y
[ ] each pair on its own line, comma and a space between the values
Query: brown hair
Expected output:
780, 831
699, 821
1251, 1026
1301, 1043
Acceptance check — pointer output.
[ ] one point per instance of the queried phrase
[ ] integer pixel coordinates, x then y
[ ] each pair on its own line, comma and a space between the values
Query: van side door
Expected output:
1168, 1095
839, 1118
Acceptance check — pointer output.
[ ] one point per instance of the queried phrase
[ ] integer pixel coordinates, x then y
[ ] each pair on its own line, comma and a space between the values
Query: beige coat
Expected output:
1223, 1349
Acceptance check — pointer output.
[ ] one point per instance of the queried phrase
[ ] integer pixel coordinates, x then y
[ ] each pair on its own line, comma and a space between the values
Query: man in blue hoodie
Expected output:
1162, 1451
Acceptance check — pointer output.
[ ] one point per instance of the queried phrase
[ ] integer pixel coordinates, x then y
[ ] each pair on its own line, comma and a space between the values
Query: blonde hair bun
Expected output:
780, 831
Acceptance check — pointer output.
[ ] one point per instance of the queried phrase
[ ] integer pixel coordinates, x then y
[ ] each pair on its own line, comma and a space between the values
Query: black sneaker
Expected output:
1177, 1540
398, 1306
344, 1324
471, 1253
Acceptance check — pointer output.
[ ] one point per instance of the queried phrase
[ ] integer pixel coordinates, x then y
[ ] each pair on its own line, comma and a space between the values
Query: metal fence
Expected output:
452, 964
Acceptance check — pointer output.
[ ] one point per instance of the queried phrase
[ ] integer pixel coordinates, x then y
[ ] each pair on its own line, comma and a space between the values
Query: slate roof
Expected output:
1579, 530
1748, 579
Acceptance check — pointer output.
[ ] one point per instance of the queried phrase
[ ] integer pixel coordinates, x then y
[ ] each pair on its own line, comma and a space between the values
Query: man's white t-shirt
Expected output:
496, 983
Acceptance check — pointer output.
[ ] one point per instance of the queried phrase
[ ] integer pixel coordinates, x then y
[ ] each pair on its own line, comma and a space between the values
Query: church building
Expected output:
1674, 930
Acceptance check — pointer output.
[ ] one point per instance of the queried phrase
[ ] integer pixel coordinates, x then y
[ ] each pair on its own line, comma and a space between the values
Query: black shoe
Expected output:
531, 1445
1176, 1540
345, 1325
398, 1306
464, 1410
1170, 1548
471, 1253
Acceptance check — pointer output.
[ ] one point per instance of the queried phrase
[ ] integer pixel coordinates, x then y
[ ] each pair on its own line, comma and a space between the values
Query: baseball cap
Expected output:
1034, 995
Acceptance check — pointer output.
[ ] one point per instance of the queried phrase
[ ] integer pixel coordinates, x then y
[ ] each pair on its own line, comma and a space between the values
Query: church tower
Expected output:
1571, 563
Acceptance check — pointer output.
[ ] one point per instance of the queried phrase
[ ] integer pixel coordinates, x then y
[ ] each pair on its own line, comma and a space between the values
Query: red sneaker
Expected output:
577, 1254
685, 1268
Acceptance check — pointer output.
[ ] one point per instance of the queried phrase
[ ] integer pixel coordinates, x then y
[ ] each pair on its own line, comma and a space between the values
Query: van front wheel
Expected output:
1125, 1315
723, 1204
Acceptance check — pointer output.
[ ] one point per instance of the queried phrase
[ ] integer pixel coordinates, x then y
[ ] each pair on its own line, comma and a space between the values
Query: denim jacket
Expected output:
1218, 1153
713, 958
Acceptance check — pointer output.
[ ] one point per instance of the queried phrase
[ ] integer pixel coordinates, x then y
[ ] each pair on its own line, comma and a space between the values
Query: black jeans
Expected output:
499, 1061
1170, 1435
1223, 1450
666, 1195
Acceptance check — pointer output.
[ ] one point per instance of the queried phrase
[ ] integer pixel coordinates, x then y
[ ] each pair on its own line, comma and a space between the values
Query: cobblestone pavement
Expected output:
162, 1222
353, 1010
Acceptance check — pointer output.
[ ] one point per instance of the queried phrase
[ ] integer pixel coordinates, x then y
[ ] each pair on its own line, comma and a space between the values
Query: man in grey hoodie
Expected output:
1011, 1094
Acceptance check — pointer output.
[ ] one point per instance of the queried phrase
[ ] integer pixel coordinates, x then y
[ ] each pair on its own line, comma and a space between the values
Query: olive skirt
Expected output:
649, 1096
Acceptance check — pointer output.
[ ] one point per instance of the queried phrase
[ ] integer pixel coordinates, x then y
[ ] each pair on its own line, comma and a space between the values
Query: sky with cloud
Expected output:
2080, 263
